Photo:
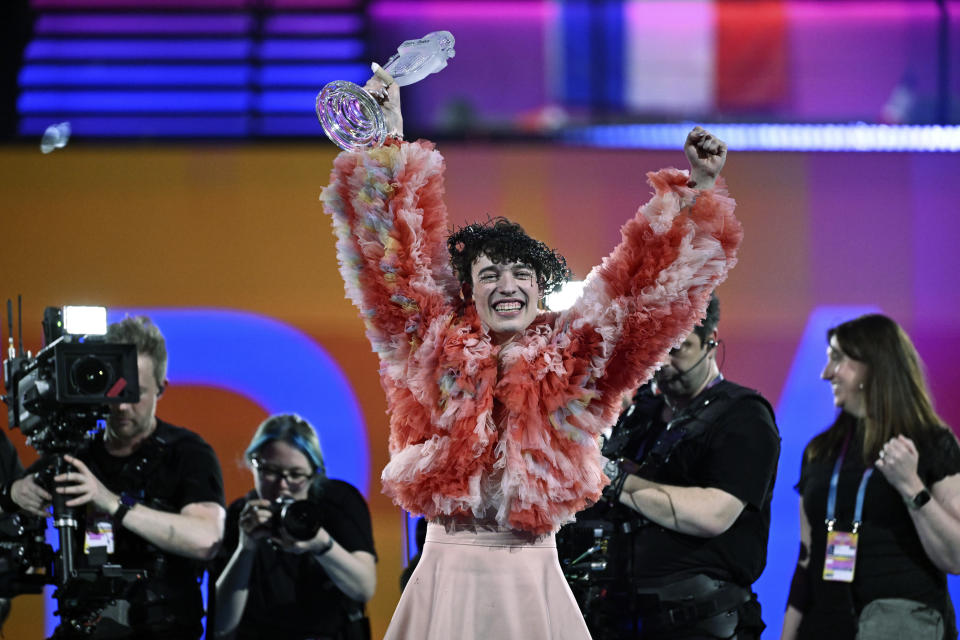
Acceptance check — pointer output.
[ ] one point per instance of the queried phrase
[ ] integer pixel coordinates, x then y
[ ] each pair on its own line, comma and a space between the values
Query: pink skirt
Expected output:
480, 584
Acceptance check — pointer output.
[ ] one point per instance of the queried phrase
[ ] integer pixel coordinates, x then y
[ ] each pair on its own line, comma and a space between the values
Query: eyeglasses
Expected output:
272, 473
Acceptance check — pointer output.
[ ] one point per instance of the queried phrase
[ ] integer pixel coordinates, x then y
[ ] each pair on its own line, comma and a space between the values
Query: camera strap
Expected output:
705, 410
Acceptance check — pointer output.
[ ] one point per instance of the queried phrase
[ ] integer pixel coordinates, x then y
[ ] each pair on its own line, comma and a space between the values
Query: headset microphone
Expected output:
679, 375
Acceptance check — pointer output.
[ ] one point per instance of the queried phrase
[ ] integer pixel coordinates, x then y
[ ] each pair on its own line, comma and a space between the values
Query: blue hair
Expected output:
293, 430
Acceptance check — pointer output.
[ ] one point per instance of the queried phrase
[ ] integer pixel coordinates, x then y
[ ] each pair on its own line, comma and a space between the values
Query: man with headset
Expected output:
693, 462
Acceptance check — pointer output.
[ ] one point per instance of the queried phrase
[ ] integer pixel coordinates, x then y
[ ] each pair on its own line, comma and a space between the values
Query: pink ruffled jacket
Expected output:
553, 389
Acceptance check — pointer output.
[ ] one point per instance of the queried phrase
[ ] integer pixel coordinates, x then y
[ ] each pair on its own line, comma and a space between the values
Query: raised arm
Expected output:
391, 227
651, 290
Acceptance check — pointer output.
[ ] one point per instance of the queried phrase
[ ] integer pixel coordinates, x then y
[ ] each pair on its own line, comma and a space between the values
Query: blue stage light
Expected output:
775, 137
287, 101
219, 126
304, 124
312, 75
319, 24
129, 49
312, 49
143, 23
67, 102
122, 75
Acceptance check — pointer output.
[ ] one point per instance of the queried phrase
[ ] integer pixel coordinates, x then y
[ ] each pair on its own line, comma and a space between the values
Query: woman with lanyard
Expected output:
880, 499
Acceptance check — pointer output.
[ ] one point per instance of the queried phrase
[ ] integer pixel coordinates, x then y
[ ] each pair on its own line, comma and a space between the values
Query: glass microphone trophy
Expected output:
352, 118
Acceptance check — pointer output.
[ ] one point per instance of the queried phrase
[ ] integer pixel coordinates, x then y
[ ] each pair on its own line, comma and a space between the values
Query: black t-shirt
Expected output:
290, 595
10, 467
174, 467
891, 562
736, 452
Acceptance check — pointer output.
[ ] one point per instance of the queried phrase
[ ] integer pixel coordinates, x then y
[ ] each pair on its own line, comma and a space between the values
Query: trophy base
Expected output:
350, 116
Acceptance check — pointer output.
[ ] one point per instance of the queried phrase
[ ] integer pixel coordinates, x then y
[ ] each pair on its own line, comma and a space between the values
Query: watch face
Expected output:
921, 499
127, 500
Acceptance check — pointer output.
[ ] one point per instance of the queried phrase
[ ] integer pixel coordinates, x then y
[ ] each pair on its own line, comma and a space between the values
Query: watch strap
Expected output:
127, 502
922, 498
119, 514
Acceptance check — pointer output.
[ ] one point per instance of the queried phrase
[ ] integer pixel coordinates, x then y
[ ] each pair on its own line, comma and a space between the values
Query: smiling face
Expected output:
506, 296
847, 377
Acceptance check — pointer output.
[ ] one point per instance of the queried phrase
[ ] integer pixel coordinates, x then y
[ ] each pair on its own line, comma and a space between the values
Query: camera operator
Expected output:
153, 500
274, 585
691, 502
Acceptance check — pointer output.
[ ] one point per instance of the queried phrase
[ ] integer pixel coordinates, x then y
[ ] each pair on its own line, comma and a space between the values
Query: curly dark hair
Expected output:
503, 241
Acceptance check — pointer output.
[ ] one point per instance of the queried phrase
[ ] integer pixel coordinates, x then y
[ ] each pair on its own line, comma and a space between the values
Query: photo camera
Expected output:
300, 519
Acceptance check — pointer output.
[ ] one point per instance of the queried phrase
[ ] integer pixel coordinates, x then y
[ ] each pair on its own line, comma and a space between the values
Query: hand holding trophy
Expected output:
352, 117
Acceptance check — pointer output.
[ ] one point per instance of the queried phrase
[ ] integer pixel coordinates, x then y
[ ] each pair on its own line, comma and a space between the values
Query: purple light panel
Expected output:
460, 10
313, 75
314, 4
134, 75
287, 101
140, 4
230, 24
233, 49
224, 126
59, 102
303, 124
160, 68
314, 24
311, 49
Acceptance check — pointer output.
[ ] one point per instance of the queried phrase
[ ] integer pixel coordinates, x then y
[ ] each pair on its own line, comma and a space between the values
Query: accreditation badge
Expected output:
841, 556
99, 534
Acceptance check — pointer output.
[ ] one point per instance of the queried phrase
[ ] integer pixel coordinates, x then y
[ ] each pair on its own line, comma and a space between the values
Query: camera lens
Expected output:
91, 375
301, 519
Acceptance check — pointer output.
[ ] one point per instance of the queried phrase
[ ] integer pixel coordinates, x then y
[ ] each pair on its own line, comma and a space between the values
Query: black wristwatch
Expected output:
917, 501
127, 502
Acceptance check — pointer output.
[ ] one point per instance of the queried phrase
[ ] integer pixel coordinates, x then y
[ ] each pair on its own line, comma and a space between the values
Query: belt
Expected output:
690, 601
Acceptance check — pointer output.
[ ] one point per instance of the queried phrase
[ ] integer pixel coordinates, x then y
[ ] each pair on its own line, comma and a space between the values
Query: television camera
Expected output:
59, 399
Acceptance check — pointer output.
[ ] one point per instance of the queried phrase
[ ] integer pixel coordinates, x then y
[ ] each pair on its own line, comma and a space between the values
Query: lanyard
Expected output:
832, 496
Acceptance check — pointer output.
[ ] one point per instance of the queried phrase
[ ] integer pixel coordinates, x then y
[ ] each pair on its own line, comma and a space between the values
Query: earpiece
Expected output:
711, 343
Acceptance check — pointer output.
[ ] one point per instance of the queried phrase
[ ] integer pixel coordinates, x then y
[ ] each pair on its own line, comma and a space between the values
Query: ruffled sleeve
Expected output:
647, 295
391, 227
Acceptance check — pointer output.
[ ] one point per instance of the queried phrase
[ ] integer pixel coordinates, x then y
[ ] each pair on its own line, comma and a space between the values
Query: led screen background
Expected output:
136, 214
241, 229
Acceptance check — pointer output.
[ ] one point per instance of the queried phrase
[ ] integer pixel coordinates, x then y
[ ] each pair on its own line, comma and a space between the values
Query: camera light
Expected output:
565, 297
85, 320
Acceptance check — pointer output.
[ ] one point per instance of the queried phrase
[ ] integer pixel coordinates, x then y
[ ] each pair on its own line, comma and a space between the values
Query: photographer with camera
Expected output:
149, 497
298, 559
